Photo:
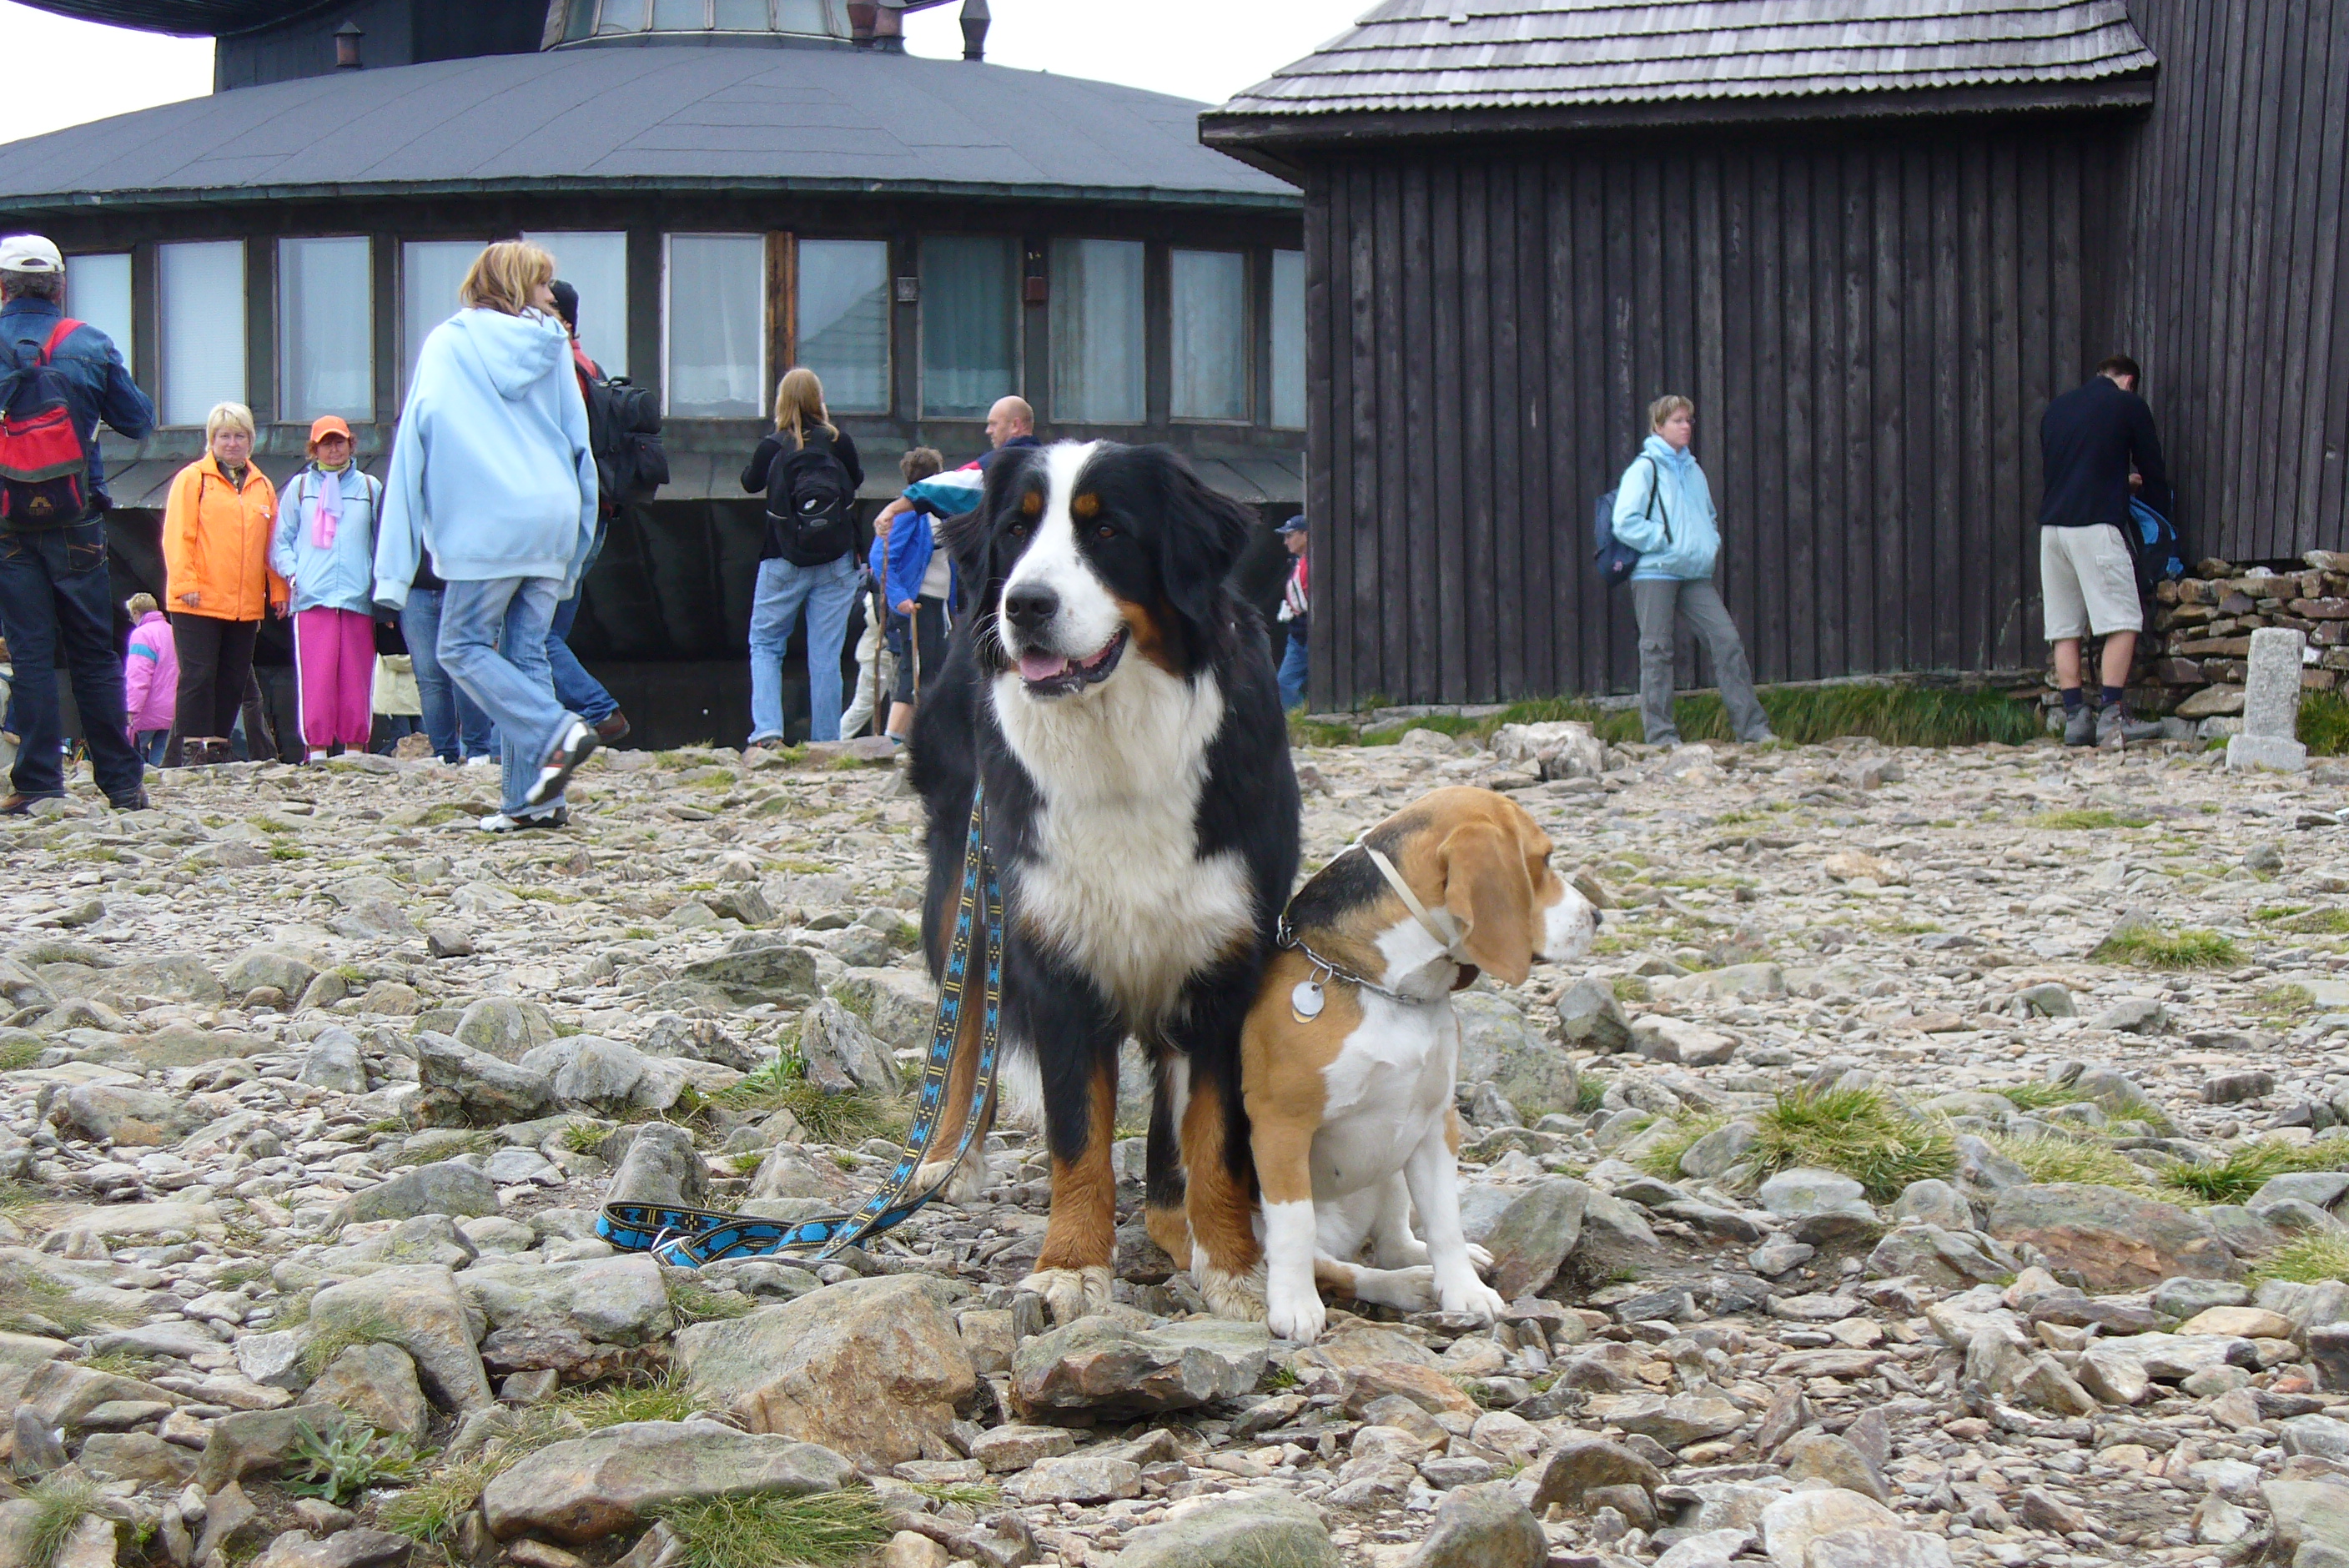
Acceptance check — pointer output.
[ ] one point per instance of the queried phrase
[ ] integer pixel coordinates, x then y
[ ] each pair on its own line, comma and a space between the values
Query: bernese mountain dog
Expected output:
1119, 700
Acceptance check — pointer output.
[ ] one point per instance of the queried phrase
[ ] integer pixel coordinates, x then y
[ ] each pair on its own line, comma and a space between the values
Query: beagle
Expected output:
1350, 1053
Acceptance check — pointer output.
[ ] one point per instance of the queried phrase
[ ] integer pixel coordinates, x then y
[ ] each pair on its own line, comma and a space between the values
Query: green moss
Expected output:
2148, 948
2096, 820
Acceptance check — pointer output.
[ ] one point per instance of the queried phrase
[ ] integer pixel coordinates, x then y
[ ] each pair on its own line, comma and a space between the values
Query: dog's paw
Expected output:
1481, 1258
1234, 1296
1071, 1294
970, 1179
1472, 1296
1296, 1316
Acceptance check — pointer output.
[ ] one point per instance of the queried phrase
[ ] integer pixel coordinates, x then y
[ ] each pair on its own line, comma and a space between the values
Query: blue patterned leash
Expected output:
691, 1237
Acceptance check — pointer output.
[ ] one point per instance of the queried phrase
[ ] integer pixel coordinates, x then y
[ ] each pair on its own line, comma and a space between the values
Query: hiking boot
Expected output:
17, 805
135, 801
576, 745
2110, 724
612, 729
2080, 726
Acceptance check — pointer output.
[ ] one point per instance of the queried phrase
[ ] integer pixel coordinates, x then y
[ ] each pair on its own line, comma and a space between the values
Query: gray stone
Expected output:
2134, 1016
759, 968
137, 1456
2050, 1000
2271, 704
611, 1301
1483, 1527
2185, 1297
839, 1051
2235, 1087
141, 1117
334, 1063
1878, 1546
286, 972
260, 1442
1581, 1466
1076, 1477
503, 1028
1590, 1017
2328, 1351
1244, 1530
466, 1086
2319, 1435
1791, 1524
446, 1188
1822, 1456
2324, 1189
662, 1167
1801, 1195
2109, 1240
377, 1383
1933, 1202
612, 1480
1533, 1235
1097, 1366
2307, 1513
1718, 1150
1498, 1045
417, 1308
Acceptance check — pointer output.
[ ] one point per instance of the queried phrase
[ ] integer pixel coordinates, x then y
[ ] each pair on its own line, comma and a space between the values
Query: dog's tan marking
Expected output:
1217, 1205
1083, 1232
1085, 507
1031, 505
1153, 639
1171, 1228
1281, 1067
1482, 857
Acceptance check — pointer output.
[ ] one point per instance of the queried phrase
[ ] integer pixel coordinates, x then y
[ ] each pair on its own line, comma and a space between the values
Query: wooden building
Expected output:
735, 186
1871, 247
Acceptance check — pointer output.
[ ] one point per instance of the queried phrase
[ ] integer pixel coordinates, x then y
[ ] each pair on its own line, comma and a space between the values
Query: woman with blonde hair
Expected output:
808, 469
217, 524
492, 479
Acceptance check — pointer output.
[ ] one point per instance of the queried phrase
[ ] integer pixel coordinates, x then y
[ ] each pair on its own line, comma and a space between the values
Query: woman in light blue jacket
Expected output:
323, 545
492, 476
1663, 509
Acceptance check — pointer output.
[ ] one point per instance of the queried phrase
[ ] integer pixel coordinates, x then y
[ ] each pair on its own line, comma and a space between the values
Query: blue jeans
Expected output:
514, 687
827, 592
1292, 673
150, 744
55, 598
456, 723
574, 688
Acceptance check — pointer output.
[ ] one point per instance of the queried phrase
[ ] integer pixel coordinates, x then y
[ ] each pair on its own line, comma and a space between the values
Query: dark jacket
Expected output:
761, 473
2088, 439
98, 384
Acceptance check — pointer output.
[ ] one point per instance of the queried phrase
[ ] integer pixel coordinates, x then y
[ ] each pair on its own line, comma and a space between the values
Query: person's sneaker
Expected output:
2080, 726
612, 729
576, 745
2111, 722
135, 801
22, 805
482, 761
528, 822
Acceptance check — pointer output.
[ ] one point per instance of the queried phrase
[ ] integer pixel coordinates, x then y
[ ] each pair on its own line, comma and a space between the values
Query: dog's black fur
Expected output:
1164, 546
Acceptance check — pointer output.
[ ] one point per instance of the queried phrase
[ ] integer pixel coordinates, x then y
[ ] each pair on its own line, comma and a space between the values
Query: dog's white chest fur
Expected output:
1117, 883
1390, 1085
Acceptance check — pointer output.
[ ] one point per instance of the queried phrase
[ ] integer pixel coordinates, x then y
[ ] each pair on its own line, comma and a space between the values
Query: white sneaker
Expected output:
479, 762
498, 822
575, 746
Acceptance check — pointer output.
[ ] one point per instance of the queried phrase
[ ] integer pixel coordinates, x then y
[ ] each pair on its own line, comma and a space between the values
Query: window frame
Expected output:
799, 333
608, 364
1272, 343
286, 411
1142, 341
1017, 350
126, 342
1245, 332
164, 357
399, 288
764, 379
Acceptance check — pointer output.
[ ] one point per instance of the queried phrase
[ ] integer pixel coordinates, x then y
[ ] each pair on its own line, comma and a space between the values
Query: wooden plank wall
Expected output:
1869, 326
2233, 277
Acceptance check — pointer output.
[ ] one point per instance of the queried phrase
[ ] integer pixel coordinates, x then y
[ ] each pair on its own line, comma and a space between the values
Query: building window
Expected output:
622, 16
971, 326
597, 266
325, 329
1288, 339
201, 288
98, 291
680, 16
715, 326
1098, 353
738, 16
431, 274
844, 321
1210, 307
579, 21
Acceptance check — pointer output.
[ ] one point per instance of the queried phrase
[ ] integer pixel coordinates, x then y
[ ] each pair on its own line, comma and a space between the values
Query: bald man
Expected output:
1008, 422
1011, 423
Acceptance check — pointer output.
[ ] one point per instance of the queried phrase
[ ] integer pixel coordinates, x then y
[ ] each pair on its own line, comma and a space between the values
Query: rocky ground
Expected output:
1872, 1196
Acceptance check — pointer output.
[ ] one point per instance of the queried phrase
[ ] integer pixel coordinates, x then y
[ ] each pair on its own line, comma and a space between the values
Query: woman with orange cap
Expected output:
325, 546
216, 527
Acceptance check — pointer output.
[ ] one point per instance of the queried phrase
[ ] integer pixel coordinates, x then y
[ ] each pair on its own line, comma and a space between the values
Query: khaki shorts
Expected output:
2088, 581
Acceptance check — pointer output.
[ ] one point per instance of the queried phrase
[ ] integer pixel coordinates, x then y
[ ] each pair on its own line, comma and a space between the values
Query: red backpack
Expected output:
44, 464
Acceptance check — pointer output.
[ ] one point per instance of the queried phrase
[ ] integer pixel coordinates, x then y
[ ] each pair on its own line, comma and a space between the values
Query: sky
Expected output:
1204, 49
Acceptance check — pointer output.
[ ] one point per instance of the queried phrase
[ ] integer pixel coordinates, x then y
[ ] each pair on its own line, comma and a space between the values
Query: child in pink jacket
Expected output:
150, 679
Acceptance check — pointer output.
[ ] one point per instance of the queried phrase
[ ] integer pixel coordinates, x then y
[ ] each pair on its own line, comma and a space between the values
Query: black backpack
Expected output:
624, 424
811, 507
45, 464
1617, 560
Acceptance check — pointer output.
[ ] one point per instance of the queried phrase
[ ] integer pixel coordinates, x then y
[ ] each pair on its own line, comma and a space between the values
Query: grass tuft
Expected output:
34, 1304
1662, 1160
2324, 723
2148, 948
838, 1119
64, 1500
1590, 1093
2246, 1169
17, 1055
2038, 1096
2310, 1259
2073, 1159
2086, 820
429, 1511
822, 1530
370, 1328
691, 1304
658, 1400
1861, 1133
2306, 921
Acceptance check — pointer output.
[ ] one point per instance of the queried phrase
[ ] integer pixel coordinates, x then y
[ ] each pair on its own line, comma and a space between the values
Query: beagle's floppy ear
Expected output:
1488, 891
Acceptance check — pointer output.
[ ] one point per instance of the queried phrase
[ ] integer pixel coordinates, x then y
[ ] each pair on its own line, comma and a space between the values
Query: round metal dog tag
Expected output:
1305, 1002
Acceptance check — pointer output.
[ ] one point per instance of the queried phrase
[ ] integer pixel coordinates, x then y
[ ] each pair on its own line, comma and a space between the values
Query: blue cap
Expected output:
1294, 525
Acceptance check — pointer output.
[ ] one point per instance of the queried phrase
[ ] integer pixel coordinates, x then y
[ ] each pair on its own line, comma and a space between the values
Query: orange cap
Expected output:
328, 425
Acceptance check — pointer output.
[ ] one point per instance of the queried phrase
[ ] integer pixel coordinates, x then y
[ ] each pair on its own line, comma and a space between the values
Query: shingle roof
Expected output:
709, 117
1410, 54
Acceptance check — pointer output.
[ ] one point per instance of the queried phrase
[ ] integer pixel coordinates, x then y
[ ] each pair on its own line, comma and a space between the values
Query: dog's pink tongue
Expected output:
1036, 666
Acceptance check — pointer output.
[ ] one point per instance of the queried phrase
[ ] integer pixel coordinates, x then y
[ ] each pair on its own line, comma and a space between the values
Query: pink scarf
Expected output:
326, 509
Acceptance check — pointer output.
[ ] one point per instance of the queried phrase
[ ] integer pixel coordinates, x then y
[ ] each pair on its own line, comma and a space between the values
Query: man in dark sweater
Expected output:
2097, 443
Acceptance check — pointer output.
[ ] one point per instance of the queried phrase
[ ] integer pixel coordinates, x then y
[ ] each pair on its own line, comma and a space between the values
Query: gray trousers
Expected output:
1659, 605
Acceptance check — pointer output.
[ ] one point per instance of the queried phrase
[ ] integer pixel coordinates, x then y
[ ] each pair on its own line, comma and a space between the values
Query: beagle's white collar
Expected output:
1439, 923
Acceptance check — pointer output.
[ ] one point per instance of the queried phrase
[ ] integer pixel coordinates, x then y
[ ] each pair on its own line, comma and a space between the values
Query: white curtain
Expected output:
431, 272
202, 289
326, 328
969, 334
1288, 339
844, 316
98, 291
1210, 321
1098, 353
717, 326
597, 266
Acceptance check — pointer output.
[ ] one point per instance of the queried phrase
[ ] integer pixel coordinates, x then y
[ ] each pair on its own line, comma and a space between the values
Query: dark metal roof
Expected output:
599, 119
190, 18
1483, 54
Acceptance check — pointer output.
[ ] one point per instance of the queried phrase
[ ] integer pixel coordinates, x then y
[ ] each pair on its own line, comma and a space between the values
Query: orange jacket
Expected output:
217, 544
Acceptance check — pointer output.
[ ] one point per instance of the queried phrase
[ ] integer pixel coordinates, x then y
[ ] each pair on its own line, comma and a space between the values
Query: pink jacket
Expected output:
151, 675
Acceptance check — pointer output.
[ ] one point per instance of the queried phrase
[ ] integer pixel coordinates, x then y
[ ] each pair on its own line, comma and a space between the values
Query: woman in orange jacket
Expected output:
216, 529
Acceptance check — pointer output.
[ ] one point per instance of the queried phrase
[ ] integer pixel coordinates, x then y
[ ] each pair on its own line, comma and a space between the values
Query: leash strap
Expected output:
1439, 924
690, 1238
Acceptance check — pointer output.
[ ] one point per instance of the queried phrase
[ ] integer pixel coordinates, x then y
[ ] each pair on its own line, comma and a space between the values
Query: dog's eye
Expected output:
1106, 531
1019, 531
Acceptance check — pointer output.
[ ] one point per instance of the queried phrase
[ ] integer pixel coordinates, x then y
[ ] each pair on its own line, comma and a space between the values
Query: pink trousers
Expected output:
334, 663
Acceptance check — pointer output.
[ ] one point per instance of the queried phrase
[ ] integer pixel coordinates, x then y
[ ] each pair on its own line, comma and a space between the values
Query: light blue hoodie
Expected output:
490, 470
1684, 499
340, 576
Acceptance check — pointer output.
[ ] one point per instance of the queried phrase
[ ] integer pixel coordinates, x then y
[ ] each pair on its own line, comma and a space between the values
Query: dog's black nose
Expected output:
1030, 606
1597, 918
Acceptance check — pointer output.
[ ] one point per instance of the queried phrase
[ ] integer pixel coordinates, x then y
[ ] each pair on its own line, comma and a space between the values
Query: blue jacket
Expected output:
342, 575
492, 472
98, 384
1684, 499
912, 542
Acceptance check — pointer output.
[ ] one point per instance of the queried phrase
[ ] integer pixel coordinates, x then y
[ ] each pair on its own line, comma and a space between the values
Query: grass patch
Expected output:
1861, 1133
1895, 713
16, 1196
64, 1500
972, 1494
2070, 1160
1662, 1160
2307, 922
368, 1328
2324, 723
837, 1118
658, 1400
2086, 820
429, 1511
2308, 1259
16, 1054
34, 1304
2037, 1095
120, 1363
823, 1530
2246, 1169
2286, 1000
691, 1304
2149, 948
1590, 1093
345, 1461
